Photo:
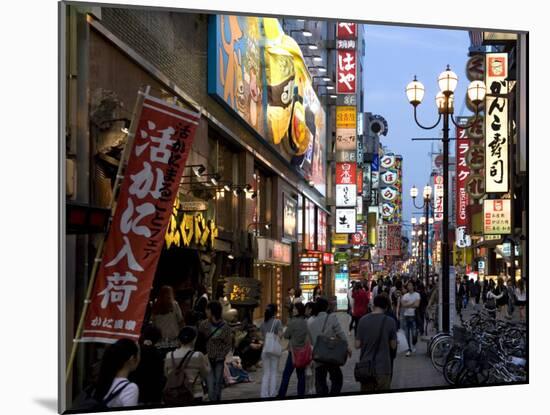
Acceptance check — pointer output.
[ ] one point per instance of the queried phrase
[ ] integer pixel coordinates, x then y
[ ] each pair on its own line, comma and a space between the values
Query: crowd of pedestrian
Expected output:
182, 360
499, 298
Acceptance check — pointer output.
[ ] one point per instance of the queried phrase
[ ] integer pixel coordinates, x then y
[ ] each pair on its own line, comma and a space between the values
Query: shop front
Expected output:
272, 261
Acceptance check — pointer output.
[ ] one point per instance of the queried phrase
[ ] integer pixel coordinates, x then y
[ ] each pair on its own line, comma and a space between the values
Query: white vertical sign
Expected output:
438, 198
496, 123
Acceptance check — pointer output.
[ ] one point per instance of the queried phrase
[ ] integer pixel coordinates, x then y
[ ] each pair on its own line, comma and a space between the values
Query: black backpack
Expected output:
178, 390
89, 403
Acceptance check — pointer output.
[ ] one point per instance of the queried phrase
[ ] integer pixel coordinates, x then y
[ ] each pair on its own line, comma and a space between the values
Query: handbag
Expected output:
365, 371
272, 346
302, 356
330, 350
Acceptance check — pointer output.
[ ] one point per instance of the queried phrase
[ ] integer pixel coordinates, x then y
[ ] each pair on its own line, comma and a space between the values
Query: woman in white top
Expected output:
270, 362
521, 298
113, 386
167, 317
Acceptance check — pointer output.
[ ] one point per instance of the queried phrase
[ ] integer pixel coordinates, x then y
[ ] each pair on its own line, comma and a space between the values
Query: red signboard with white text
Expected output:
346, 66
163, 139
462, 174
346, 173
346, 30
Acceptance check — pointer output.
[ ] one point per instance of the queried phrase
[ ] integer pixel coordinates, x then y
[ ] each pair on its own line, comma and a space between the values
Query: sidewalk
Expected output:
415, 371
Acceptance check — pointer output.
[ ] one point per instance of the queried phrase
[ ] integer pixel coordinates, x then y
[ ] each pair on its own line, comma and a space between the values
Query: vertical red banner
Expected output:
346, 66
162, 142
359, 181
462, 174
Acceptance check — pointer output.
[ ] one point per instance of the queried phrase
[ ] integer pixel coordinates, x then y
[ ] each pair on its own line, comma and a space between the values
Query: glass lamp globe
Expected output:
415, 92
447, 81
427, 192
414, 192
476, 92
431, 221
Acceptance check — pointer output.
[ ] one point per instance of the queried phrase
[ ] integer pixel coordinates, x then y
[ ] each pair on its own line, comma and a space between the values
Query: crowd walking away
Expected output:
191, 354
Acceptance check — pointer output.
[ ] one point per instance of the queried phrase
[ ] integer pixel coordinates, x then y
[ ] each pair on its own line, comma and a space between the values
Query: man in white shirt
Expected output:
409, 303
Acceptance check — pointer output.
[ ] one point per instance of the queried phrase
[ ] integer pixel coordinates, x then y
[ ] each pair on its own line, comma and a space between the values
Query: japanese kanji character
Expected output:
161, 153
118, 290
126, 251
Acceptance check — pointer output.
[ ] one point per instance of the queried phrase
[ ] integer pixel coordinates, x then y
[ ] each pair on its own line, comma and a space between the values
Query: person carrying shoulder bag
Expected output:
376, 336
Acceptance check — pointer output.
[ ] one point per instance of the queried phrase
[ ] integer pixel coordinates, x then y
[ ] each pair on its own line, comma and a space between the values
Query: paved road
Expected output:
415, 371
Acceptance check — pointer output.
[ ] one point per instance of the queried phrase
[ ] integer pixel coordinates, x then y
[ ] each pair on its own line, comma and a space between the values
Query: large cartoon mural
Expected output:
260, 74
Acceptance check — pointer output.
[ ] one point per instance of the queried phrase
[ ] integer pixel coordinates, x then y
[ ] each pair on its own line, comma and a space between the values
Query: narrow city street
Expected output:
415, 371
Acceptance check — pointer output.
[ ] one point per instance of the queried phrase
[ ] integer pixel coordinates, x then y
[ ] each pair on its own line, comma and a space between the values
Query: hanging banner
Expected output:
163, 139
360, 181
438, 198
346, 173
346, 220
497, 218
462, 199
346, 72
393, 243
496, 123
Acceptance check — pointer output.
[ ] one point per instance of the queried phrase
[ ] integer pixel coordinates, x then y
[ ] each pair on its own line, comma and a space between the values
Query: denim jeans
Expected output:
215, 380
336, 379
287, 373
410, 331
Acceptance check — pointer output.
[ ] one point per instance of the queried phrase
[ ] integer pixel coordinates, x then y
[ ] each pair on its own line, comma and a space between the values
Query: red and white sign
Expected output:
356, 238
462, 175
359, 181
438, 198
328, 258
321, 230
346, 30
346, 173
346, 72
163, 139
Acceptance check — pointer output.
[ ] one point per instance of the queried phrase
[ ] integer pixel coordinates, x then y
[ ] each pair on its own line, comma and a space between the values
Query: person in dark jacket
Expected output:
149, 375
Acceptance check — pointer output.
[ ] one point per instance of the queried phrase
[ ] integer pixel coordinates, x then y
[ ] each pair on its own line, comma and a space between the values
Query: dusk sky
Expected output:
393, 56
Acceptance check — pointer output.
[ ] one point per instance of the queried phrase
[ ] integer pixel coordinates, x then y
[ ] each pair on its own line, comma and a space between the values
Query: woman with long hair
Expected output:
167, 317
273, 327
500, 296
317, 292
521, 298
113, 387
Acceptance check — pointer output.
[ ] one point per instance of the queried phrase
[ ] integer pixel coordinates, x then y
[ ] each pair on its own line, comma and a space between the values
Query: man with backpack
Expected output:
376, 337
185, 369
219, 340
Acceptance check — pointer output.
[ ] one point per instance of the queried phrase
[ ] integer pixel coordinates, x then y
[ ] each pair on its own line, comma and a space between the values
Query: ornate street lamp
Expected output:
425, 220
447, 82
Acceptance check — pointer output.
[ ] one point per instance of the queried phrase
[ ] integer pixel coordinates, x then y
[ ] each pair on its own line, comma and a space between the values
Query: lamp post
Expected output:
447, 81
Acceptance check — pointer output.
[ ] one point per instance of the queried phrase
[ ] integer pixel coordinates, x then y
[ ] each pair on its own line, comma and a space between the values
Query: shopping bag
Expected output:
402, 345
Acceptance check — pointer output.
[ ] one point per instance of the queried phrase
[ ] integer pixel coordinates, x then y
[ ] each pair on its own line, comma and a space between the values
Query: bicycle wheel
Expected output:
440, 351
452, 369
434, 339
